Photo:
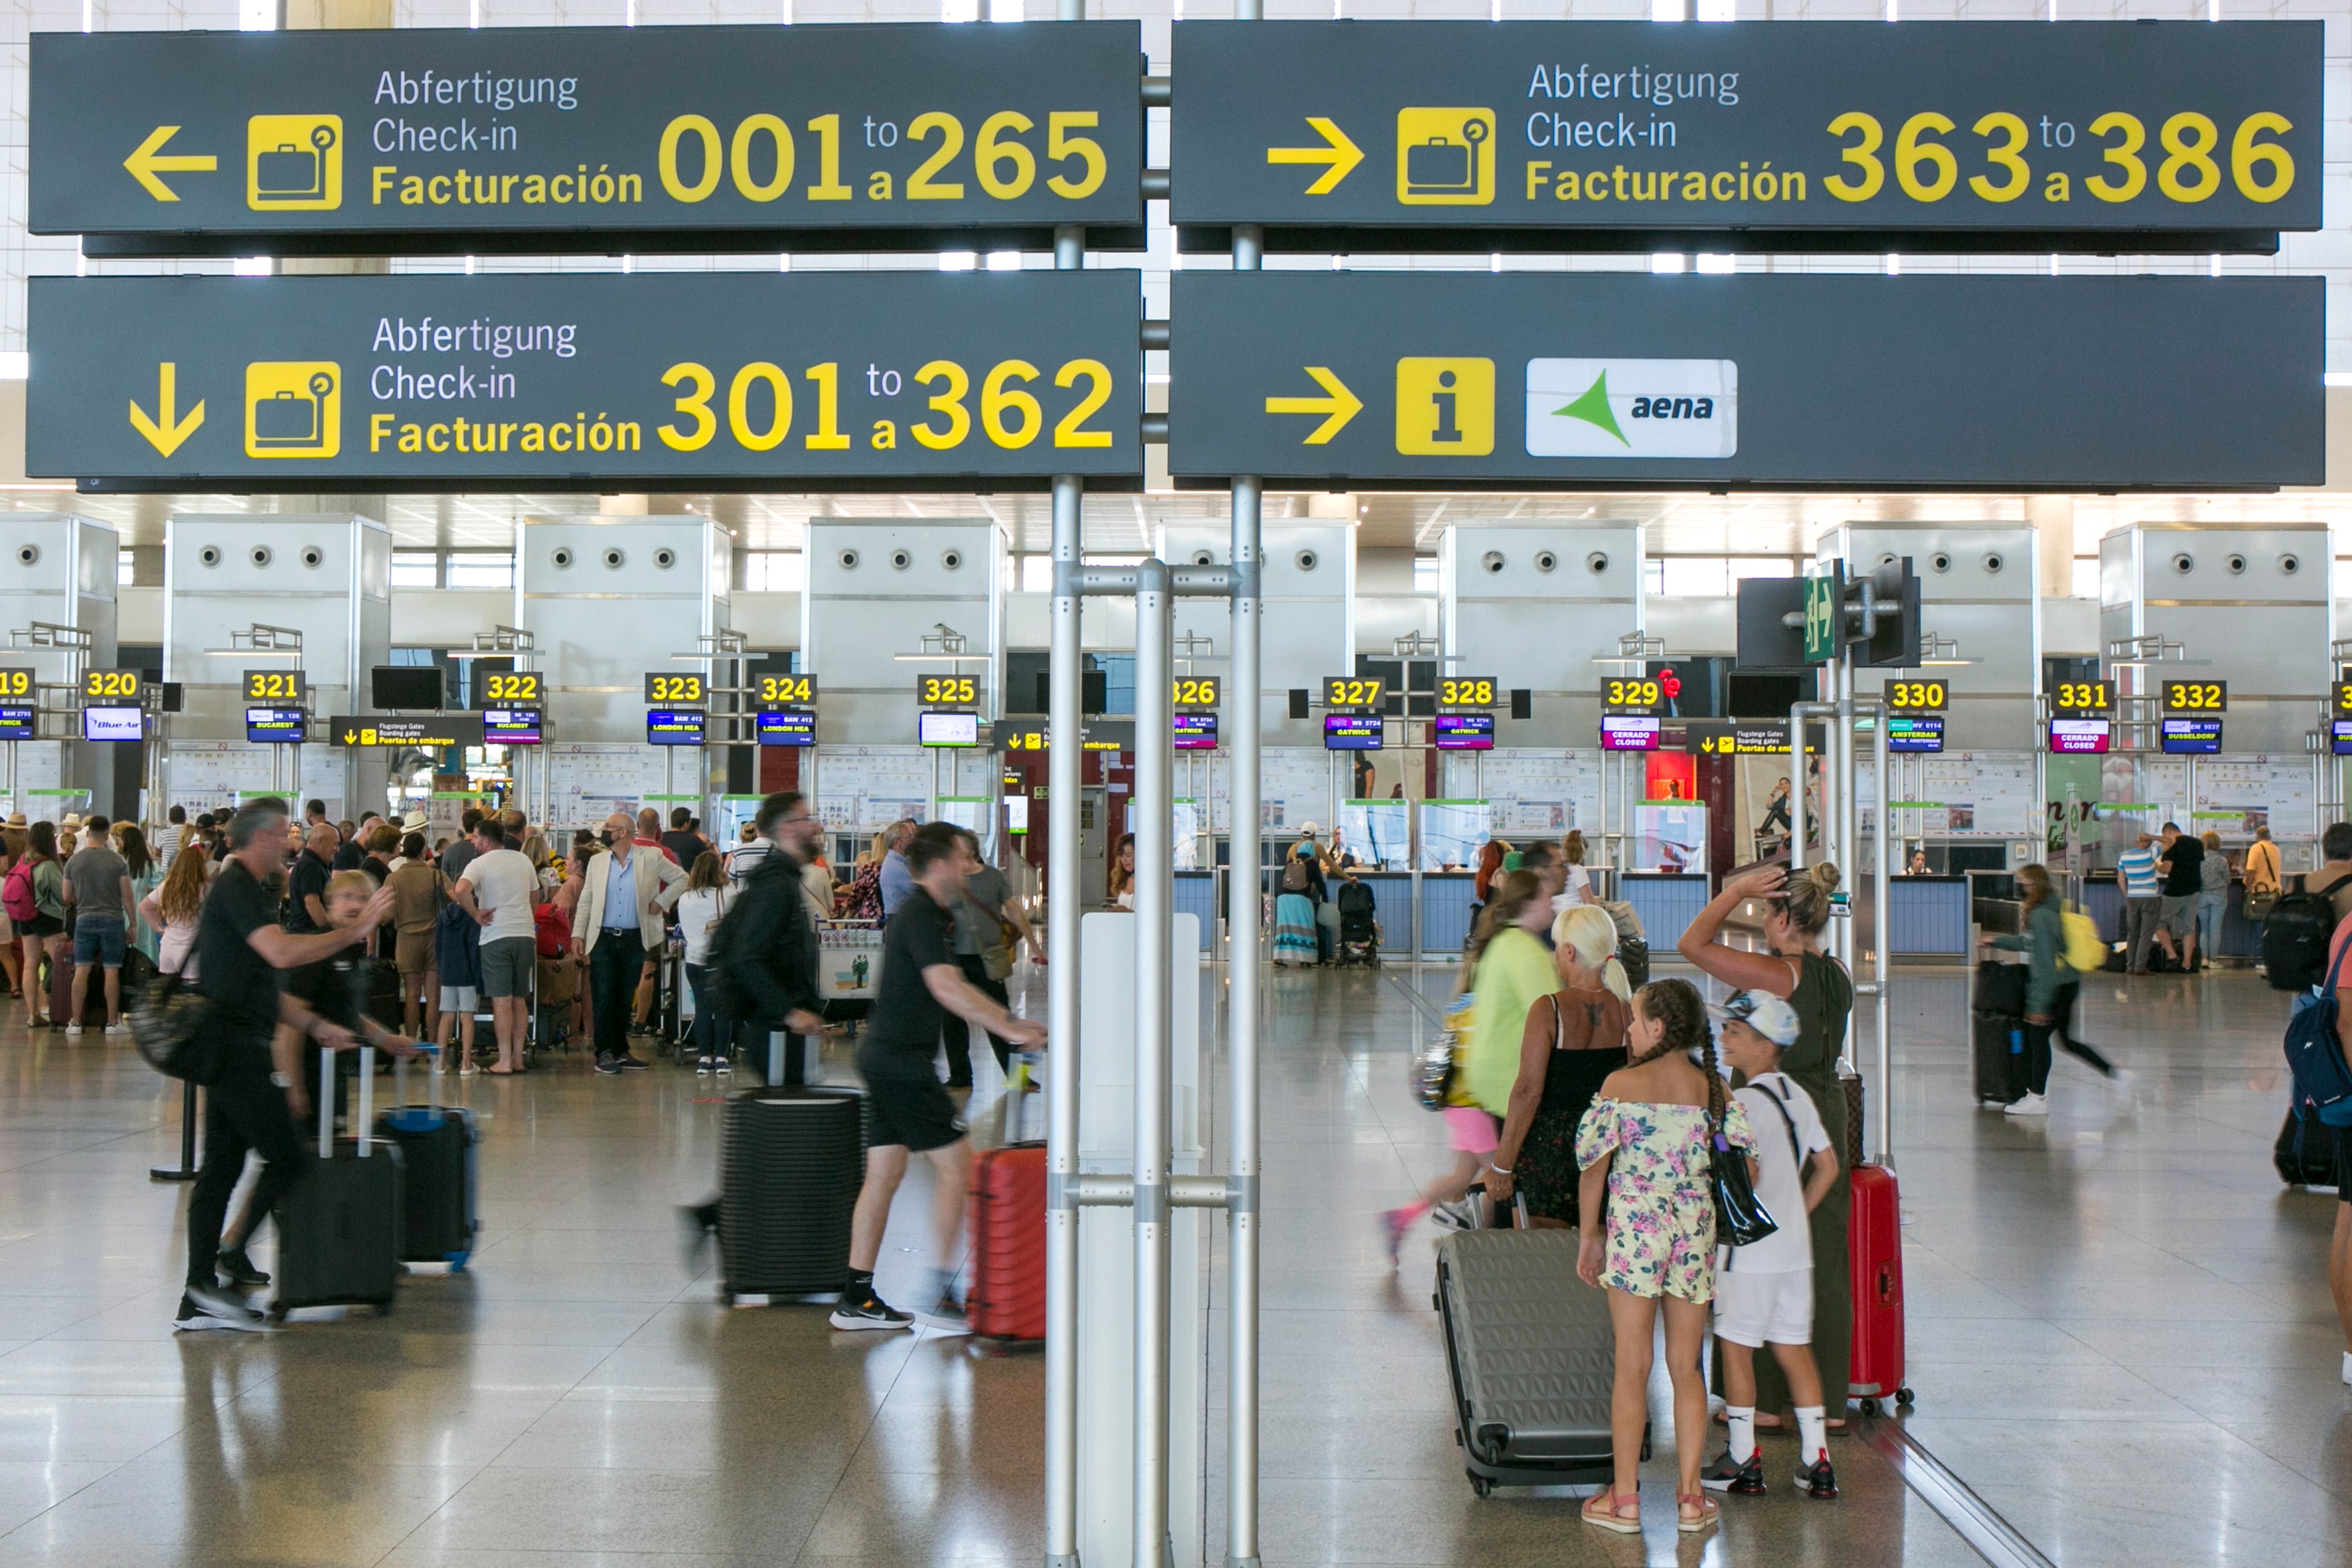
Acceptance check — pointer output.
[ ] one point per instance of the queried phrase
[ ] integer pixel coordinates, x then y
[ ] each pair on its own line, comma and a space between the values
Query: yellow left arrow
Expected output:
163, 431
1339, 408
150, 159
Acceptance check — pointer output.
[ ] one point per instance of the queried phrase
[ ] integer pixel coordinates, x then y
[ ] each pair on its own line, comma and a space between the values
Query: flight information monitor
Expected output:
1628, 733
1351, 732
114, 724
673, 726
274, 726
2339, 735
511, 726
2191, 737
17, 724
785, 727
1464, 732
1915, 731
948, 729
2079, 737
1196, 731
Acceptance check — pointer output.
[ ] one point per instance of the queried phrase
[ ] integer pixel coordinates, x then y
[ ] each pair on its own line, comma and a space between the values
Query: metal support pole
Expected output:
1882, 894
1798, 714
1243, 951
186, 1170
1151, 823
1063, 756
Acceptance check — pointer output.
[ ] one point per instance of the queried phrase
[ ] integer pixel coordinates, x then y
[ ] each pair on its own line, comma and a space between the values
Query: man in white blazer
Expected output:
621, 917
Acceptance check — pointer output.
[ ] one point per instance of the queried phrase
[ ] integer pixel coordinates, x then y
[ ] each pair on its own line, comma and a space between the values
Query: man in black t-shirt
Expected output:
239, 949
306, 883
2184, 877
909, 1108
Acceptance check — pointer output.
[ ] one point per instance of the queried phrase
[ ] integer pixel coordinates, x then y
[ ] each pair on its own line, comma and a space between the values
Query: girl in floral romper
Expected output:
1646, 1143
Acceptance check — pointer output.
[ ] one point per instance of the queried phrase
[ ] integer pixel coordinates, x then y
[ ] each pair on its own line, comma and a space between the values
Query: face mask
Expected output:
607, 837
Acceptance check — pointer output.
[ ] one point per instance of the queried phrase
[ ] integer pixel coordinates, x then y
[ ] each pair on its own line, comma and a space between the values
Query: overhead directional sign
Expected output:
1356, 136
1463, 381
539, 140
906, 379
433, 732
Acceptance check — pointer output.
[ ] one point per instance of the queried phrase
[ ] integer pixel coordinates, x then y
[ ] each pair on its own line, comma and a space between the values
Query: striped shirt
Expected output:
2138, 866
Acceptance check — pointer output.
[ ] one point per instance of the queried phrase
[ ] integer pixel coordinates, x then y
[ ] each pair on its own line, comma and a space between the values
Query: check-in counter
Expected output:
1667, 902
1928, 919
1446, 900
1196, 894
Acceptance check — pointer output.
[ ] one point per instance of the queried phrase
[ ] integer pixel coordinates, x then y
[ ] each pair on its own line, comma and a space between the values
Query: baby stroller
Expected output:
1360, 932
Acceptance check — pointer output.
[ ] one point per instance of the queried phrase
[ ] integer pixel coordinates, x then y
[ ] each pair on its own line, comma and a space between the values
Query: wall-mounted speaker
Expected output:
1298, 701
1523, 702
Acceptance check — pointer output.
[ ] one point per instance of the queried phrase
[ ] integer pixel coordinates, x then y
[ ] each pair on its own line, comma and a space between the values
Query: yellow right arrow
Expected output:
1339, 407
149, 160
1341, 154
164, 432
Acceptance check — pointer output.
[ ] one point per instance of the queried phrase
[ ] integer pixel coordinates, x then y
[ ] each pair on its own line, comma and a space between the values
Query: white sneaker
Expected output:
2031, 1105
118, 1028
73, 1028
2348, 1368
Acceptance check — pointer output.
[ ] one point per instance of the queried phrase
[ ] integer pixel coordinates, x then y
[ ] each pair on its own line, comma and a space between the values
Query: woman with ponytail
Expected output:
1645, 1217
1574, 1039
1795, 969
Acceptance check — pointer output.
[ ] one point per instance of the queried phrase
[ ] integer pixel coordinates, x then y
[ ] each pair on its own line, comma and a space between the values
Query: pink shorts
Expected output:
1473, 1131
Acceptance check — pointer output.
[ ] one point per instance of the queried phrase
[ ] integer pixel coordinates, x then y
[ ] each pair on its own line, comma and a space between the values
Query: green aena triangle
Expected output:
1592, 407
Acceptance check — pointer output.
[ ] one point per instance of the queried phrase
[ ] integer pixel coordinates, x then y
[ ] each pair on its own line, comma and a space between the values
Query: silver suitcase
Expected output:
1532, 1357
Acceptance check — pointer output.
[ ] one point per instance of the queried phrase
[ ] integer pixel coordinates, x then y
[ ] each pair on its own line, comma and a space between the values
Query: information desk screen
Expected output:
673, 727
1628, 733
947, 729
1915, 732
2340, 733
1351, 732
785, 727
2079, 737
511, 727
15, 723
1465, 732
114, 724
1196, 731
2191, 737
274, 726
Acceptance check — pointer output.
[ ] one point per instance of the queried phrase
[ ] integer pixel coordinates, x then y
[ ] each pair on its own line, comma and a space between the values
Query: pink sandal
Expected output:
1700, 1500
1611, 1512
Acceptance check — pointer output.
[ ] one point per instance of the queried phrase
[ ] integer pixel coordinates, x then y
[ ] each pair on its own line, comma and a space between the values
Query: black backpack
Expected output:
1355, 898
2295, 935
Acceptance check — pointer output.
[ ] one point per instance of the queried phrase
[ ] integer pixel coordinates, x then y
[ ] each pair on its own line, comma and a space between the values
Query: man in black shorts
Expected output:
920, 984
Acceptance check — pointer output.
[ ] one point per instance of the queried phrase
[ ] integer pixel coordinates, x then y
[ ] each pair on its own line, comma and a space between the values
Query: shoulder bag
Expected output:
1436, 1069
1740, 1218
171, 1025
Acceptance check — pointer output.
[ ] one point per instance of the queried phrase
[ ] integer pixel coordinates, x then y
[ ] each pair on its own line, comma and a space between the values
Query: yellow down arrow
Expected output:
163, 431
150, 159
1341, 407
1341, 154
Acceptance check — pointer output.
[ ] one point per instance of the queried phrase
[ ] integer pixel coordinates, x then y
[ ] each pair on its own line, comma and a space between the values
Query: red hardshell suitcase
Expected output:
1874, 1253
1007, 1299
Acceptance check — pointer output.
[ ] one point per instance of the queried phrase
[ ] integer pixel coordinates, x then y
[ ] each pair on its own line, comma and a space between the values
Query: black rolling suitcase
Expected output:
1996, 1016
436, 1150
792, 1163
1531, 1356
338, 1228
2307, 1153
384, 999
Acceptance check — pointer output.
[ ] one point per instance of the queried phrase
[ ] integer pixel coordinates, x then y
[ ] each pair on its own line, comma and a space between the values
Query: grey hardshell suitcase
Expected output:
1531, 1356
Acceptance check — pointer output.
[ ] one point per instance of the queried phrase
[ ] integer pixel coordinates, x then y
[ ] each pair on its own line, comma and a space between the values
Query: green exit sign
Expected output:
1822, 618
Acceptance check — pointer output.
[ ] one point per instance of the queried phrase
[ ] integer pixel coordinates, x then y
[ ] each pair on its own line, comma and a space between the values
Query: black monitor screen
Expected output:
397, 687
1753, 696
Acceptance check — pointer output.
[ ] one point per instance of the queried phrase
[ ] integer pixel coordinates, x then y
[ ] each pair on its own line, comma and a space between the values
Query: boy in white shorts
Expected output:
1764, 1291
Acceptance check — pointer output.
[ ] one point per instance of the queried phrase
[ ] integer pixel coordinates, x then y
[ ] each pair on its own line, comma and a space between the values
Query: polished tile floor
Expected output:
2119, 1327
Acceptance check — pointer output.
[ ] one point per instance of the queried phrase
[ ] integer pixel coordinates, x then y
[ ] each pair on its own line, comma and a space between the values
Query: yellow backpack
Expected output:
2081, 946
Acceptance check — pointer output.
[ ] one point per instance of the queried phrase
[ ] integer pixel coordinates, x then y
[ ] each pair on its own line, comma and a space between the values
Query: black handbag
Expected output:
172, 1026
1740, 1218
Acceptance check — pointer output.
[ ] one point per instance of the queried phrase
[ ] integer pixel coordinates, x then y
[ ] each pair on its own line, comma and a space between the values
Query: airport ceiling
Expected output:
1678, 524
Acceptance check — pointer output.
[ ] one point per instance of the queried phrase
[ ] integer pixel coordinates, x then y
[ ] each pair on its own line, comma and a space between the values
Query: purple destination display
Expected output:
511, 727
1196, 731
2079, 737
1351, 732
1465, 732
1628, 733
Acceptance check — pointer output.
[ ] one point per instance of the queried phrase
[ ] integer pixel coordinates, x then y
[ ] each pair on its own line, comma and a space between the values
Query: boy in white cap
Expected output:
1764, 1291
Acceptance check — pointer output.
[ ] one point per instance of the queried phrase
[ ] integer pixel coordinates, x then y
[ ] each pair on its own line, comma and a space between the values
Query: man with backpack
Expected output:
763, 955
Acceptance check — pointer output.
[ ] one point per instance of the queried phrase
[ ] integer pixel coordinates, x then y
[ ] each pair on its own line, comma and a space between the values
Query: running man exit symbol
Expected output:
1446, 407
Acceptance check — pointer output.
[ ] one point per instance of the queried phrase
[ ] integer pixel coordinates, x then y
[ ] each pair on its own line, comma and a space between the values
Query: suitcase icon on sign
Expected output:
1445, 157
293, 409
294, 163
288, 419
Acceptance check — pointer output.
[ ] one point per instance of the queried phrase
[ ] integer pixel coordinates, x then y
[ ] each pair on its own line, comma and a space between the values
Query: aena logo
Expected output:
1685, 408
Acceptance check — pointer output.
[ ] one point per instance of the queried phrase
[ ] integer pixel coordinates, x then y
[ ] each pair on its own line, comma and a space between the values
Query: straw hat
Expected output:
72, 821
414, 822
16, 819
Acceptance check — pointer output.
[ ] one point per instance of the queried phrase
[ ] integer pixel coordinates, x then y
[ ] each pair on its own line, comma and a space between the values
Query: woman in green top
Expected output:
2050, 987
46, 931
1510, 973
146, 876
1817, 986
